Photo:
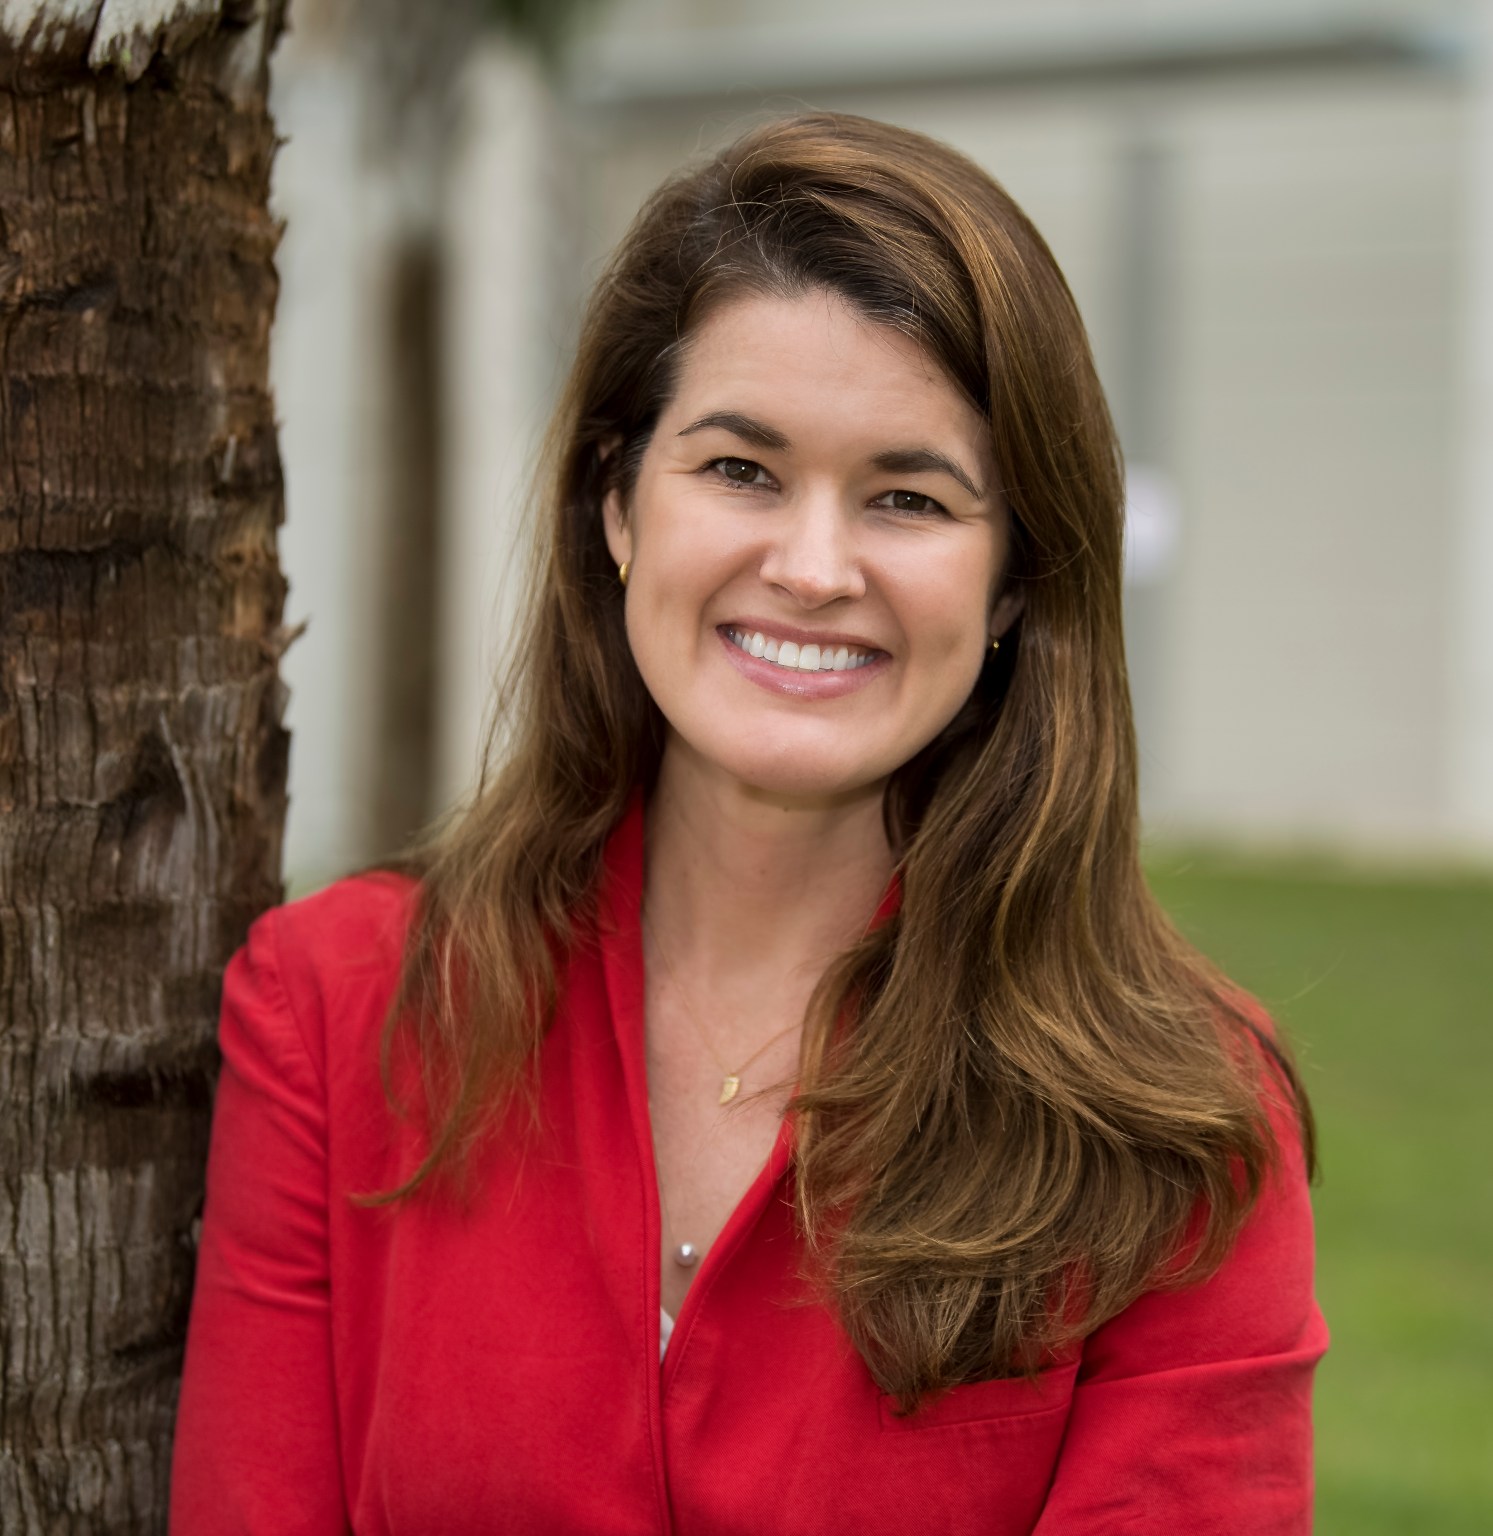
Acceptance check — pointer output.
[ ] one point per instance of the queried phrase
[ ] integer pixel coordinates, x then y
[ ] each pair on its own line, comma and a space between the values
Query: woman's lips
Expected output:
792, 683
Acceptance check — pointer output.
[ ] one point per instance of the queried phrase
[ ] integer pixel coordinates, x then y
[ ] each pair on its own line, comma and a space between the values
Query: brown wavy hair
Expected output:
1048, 1101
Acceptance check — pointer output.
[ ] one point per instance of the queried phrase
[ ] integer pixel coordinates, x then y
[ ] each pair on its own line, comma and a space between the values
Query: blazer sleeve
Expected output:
1192, 1410
256, 1445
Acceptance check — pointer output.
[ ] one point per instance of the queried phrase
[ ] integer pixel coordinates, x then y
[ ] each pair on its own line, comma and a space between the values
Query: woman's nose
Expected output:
814, 555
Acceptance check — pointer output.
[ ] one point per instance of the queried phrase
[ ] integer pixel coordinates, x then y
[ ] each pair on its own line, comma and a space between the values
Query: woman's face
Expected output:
816, 540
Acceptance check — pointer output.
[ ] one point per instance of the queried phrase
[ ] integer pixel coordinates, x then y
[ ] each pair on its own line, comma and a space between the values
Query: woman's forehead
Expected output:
813, 369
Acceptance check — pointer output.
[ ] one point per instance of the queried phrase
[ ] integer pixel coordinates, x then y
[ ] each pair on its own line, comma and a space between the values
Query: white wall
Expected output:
1315, 396
1469, 568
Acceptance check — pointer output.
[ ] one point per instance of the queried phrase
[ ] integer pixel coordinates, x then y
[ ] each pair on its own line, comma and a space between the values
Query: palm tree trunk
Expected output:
142, 759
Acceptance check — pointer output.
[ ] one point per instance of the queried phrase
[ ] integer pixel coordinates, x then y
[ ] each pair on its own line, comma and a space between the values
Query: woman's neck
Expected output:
738, 883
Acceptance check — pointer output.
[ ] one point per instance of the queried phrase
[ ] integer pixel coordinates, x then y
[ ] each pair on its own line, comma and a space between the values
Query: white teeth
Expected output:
800, 658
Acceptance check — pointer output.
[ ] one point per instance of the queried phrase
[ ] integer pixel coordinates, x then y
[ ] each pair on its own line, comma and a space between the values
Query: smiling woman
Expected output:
788, 1001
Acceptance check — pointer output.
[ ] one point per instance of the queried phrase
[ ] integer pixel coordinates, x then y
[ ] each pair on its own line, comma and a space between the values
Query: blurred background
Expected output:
1278, 222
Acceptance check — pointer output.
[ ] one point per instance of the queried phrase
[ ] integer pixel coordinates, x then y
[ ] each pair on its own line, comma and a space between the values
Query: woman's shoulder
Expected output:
355, 924
1266, 1054
328, 962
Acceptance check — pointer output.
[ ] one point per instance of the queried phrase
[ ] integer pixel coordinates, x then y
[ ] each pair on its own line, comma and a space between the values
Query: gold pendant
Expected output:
730, 1087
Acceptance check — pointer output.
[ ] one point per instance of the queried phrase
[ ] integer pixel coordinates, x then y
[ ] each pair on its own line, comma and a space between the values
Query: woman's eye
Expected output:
741, 471
911, 501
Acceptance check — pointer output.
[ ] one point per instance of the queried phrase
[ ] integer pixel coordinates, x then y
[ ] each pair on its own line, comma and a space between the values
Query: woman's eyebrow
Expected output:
914, 461
757, 433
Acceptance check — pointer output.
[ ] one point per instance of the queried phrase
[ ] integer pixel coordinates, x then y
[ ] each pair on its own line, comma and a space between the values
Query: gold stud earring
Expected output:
622, 571
995, 645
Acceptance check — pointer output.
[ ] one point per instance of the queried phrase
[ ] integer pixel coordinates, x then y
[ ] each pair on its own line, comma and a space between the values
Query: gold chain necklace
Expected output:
730, 1080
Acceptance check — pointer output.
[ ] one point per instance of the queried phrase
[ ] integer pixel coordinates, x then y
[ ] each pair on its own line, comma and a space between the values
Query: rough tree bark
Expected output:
142, 759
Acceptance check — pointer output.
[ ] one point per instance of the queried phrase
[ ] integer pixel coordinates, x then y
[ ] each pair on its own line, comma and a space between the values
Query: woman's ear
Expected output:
615, 522
1007, 610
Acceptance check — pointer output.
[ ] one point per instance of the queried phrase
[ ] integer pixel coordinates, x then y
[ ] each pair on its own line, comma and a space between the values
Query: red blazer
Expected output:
420, 1370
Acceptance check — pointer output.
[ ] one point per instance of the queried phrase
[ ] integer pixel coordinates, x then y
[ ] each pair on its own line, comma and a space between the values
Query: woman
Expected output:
790, 1000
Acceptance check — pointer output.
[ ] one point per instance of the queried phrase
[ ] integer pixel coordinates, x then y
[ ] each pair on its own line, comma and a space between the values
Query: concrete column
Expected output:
320, 364
499, 346
1141, 397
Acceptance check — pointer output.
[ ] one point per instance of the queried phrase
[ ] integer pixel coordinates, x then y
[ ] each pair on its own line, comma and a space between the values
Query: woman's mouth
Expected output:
793, 657
800, 669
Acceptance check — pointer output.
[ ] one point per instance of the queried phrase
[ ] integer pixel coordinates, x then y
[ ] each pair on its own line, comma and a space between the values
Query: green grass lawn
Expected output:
1385, 986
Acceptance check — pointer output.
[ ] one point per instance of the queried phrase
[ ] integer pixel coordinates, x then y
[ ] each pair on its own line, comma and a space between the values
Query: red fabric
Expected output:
420, 1370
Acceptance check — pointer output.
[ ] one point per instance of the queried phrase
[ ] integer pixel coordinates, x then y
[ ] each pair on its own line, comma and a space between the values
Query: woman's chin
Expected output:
795, 780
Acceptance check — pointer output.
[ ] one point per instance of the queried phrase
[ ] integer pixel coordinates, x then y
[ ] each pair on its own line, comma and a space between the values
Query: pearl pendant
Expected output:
686, 1255
730, 1087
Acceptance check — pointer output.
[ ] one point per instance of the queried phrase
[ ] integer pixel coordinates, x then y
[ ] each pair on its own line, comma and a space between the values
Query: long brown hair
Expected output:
1047, 1099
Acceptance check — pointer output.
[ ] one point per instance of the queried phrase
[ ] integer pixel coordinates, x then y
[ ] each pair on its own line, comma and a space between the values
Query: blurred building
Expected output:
1278, 224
